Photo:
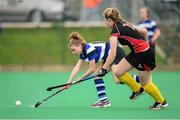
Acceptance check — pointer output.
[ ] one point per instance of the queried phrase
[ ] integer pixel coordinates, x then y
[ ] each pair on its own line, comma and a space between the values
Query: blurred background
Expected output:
33, 33
34, 55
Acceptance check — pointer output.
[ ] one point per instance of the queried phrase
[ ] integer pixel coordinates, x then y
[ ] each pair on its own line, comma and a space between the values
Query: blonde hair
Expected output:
75, 38
147, 10
112, 13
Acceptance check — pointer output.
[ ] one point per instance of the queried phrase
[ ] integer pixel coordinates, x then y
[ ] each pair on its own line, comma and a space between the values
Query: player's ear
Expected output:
77, 45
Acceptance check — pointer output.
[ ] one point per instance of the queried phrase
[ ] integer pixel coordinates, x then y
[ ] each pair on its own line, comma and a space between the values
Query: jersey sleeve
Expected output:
81, 57
115, 32
154, 26
91, 53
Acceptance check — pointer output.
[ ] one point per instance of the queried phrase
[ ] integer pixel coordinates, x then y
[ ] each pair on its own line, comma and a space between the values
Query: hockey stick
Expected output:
75, 82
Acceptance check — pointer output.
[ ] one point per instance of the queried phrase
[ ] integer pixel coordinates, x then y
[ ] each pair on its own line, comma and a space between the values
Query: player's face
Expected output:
109, 22
76, 49
143, 14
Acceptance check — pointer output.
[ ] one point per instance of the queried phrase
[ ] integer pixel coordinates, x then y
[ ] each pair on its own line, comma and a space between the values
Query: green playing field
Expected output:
74, 103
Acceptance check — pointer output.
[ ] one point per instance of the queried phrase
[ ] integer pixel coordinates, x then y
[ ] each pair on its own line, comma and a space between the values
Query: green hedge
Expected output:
43, 46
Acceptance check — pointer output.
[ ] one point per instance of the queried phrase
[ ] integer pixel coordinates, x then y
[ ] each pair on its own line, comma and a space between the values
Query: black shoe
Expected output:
158, 106
164, 104
135, 95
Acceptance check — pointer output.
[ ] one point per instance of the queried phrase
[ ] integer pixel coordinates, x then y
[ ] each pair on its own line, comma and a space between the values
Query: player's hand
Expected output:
79, 79
102, 72
152, 42
67, 86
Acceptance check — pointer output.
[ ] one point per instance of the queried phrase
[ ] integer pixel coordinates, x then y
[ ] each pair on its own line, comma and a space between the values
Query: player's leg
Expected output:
126, 75
148, 64
116, 80
136, 77
120, 54
152, 90
101, 92
121, 65
120, 72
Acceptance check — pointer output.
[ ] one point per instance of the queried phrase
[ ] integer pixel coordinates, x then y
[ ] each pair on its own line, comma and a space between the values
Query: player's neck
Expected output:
144, 19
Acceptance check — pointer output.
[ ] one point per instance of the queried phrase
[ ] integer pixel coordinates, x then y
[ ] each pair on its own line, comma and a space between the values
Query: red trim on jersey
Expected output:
138, 44
146, 68
115, 35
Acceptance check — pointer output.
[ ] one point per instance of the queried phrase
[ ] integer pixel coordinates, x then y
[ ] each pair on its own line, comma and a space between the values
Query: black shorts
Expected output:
144, 61
120, 54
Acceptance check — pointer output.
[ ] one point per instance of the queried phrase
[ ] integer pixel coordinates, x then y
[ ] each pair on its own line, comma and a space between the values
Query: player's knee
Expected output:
117, 81
117, 74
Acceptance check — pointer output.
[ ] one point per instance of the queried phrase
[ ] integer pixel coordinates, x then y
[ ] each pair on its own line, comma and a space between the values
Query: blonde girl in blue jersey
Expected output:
94, 53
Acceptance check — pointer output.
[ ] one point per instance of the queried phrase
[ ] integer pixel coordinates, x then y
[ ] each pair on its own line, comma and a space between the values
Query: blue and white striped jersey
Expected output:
150, 25
97, 51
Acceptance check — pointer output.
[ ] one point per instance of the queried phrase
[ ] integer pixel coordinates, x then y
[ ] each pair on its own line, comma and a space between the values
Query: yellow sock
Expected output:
154, 92
129, 81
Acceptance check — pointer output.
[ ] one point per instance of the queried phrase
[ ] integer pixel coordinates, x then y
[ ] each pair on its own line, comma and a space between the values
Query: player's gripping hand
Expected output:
66, 87
102, 72
79, 79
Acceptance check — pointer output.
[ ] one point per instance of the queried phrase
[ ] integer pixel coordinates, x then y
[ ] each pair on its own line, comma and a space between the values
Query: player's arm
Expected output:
156, 35
144, 32
113, 47
91, 70
75, 70
99, 68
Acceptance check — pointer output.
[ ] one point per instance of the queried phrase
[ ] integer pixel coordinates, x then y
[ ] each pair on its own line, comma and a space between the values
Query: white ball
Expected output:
18, 103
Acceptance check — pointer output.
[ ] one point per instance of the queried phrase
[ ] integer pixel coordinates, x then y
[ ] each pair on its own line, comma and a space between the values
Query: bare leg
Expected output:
145, 77
121, 73
122, 68
151, 88
116, 80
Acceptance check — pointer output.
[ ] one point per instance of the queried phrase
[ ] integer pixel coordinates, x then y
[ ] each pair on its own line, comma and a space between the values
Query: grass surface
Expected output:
44, 46
74, 103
